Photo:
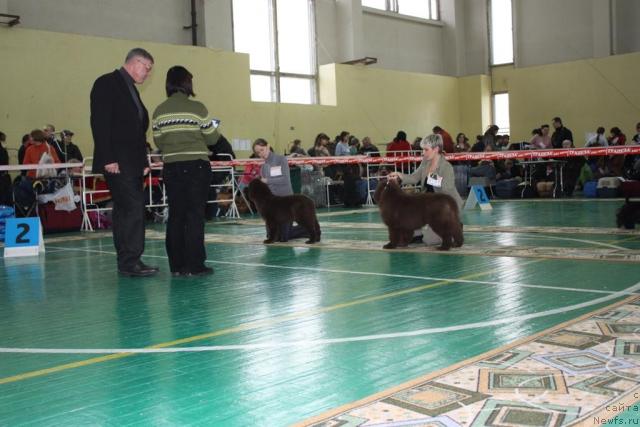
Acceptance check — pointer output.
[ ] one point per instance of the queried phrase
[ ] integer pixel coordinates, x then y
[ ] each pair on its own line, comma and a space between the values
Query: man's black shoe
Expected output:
144, 266
138, 270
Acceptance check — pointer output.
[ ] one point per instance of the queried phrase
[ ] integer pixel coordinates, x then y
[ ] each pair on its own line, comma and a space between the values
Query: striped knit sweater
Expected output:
182, 129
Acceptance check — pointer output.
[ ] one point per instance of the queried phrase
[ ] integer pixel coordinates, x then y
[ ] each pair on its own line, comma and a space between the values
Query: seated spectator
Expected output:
502, 142
545, 180
636, 137
296, 149
26, 142
370, 150
462, 143
600, 168
486, 169
343, 137
478, 146
506, 140
5, 179
616, 137
354, 145
399, 147
597, 140
586, 175
507, 169
538, 141
416, 144
69, 149
368, 147
319, 148
342, 148
40, 152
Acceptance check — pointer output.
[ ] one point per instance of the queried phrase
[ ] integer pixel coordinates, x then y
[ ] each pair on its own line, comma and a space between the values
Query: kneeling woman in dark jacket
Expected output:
182, 130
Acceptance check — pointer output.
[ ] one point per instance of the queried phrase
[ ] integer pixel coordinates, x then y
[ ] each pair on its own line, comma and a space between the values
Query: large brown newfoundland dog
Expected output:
403, 213
280, 211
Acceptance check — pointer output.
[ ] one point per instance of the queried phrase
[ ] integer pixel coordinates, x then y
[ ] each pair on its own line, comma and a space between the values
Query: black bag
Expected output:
24, 196
526, 191
508, 188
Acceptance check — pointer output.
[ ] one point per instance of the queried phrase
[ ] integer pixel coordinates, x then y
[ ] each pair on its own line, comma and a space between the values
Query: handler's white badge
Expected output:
276, 171
434, 180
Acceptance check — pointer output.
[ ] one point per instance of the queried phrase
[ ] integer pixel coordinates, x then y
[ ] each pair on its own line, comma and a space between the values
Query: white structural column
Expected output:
453, 37
218, 24
349, 29
602, 28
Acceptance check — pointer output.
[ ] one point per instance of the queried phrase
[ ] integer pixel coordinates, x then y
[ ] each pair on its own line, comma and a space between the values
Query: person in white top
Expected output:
597, 140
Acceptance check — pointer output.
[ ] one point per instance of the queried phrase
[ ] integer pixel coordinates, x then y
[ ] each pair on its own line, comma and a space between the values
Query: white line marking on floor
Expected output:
309, 343
369, 273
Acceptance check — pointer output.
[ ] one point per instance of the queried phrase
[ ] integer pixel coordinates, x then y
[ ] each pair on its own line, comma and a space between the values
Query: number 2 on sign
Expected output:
20, 237
481, 195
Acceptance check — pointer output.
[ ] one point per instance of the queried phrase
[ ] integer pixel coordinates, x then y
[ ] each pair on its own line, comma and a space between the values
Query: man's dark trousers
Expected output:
128, 218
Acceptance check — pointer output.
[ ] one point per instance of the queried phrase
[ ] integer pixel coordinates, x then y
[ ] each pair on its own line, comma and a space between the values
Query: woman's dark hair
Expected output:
615, 131
401, 136
320, 137
261, 142
462, 134
179, 79
537, 131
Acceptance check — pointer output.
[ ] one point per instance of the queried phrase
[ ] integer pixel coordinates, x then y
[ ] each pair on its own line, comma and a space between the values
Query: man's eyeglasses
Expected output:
147, 66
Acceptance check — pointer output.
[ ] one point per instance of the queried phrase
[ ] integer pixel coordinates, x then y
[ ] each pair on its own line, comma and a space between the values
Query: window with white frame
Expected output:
279, 36
501, 32
426, 9
501, 112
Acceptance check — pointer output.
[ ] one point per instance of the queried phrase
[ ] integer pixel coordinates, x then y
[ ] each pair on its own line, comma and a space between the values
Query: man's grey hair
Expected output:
434, 140
138, 52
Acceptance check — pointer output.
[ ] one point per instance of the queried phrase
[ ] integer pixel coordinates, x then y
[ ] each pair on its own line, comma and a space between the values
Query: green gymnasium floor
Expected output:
284, 333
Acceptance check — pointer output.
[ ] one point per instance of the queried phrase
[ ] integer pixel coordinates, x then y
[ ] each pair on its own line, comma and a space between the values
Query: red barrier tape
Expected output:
455, 157
560, 153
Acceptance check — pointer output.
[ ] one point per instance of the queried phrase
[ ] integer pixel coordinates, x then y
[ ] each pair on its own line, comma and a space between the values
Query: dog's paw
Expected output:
267, 241
389, 246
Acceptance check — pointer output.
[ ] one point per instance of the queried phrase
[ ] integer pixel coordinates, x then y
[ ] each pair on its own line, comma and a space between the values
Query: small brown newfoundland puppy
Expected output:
403, 213
283, 210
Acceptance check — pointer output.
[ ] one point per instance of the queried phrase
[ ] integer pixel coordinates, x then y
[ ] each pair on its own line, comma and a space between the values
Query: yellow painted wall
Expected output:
475, 105
586, 94
46, 77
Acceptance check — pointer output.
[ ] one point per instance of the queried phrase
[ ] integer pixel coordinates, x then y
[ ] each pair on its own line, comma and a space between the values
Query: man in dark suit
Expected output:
119, 122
